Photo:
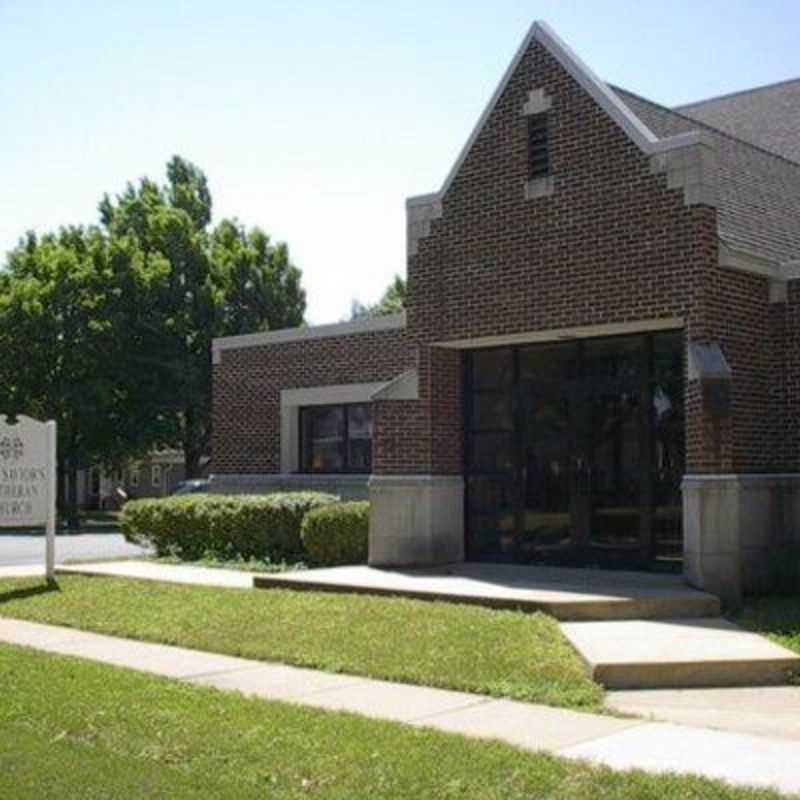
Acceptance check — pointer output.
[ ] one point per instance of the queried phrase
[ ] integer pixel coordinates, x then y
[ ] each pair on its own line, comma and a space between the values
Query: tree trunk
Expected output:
61, 487
71, 510
193, 445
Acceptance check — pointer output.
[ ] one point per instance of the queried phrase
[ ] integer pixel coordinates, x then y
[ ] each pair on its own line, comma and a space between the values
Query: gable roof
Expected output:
758, 190
758, 207
602, 94
767, 116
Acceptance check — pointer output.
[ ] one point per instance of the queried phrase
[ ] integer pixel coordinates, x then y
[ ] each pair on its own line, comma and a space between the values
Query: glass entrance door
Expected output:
574, 451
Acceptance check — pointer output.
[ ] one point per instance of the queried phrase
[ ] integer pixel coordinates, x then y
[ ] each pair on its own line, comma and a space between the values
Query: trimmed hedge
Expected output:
337, 534
265, 527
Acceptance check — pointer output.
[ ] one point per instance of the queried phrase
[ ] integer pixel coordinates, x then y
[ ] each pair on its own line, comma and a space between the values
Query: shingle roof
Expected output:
768, 116
759, 191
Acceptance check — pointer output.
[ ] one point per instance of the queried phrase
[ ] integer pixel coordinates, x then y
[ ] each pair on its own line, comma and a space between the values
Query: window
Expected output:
538, 147
336, 438
155, 476
134, 477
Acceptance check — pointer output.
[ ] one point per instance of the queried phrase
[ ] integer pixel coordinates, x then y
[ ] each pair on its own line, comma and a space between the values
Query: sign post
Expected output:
28, 479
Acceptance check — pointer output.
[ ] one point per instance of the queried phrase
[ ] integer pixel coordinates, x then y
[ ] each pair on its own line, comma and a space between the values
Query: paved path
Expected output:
772, 711
619, 743
567, 594
165, 573
18, 549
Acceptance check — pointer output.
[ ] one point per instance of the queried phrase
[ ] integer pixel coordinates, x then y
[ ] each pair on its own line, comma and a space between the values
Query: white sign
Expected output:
28, 477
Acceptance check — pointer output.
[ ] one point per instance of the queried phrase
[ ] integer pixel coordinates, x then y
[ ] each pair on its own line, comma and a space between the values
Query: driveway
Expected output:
18, 549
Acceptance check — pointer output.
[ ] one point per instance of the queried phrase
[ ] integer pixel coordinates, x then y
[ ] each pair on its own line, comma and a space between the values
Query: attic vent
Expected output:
538, 147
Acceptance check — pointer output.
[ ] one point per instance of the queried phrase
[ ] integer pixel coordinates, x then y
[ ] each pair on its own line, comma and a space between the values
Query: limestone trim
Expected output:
740, 477
403, 387
557, 334
692, 168
539, 187
416, 520
416, 480
353, 327
292, 400
778, 274
538, 102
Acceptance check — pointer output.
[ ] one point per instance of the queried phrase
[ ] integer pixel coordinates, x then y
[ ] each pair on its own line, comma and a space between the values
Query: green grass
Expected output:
76, 729
501, 653
775, 616
241, 564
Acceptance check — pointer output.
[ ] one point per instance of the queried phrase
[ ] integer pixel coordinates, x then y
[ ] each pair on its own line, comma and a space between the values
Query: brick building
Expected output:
598, 363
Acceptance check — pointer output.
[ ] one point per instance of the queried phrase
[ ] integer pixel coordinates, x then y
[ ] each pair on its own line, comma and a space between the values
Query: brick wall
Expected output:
248, 383
791, 376
612, 244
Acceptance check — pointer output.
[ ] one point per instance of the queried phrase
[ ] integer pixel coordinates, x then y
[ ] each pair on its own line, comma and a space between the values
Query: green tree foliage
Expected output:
108, 329
392, 301
202, 283
64, 305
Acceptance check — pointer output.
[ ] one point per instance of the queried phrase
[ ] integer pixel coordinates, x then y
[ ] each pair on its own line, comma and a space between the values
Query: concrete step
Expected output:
566, 594
685, 653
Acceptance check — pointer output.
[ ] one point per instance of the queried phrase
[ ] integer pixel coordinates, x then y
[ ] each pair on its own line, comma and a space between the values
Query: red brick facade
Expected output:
248, 383
612, 244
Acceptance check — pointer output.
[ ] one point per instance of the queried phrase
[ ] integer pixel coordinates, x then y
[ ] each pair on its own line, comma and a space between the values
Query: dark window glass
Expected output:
615, 360
492, 453
336, 438
538, 147
359, 439
492, 369
492, 411
492, 494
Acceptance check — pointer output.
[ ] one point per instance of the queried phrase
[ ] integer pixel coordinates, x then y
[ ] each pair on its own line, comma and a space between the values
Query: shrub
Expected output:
223, 526
337, 534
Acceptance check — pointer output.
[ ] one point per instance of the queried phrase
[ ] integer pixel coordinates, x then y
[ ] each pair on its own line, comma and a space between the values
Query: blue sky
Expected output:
315, 120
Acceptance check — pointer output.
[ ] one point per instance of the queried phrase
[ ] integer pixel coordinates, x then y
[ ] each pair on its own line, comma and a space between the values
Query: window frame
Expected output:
345, 440
156, 469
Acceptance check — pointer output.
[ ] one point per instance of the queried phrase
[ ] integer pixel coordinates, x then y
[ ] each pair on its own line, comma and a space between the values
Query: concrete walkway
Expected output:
22, 571
164, 573
679, 653
772, 711
566, 594
619, 743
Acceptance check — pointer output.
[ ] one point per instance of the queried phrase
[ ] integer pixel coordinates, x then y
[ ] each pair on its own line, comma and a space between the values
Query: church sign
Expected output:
28, 477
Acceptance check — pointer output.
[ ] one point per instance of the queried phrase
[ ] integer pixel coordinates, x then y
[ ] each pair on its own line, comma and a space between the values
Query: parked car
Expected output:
194, 486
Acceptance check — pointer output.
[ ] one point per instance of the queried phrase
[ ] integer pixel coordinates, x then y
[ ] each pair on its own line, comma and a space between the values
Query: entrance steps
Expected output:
566, 594
685, 653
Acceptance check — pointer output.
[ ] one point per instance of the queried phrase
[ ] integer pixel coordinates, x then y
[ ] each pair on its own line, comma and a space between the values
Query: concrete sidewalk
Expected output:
164, 573
22, 571
619, 743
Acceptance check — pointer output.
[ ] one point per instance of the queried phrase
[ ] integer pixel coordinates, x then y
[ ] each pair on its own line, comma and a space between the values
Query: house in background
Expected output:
157, 475
599, 363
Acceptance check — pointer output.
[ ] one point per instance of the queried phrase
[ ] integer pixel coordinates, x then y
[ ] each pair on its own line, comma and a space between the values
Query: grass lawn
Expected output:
774, 616
501, 653
74, 729
241, 564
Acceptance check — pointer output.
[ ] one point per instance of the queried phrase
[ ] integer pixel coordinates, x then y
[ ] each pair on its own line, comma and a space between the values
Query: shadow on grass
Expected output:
777, 614
46, 587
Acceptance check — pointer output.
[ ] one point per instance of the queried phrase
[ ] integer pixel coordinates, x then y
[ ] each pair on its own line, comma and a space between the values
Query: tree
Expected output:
63, 318
392, 301
198, 284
